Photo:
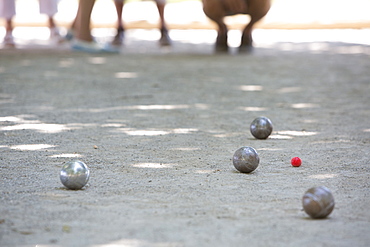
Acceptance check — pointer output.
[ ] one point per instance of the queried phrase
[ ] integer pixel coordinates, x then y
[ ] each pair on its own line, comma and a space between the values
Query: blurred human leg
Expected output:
50, 8
82, 26
83, 40
118, 39
165, 38
7, 11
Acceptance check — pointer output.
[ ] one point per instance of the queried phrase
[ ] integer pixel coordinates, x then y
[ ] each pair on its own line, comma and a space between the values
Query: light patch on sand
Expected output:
324, 176
153, 165
31, 147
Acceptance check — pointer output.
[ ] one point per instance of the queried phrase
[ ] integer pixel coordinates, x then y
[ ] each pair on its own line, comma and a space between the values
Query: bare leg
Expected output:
257, 10
83, 39
247, 41
82, 25
221, 42
119, 8
9, 26
216, 12
54, 32
165, 39
160, 7
8, 12
50, 8
51, 22
118, 39
8, 39
71, 30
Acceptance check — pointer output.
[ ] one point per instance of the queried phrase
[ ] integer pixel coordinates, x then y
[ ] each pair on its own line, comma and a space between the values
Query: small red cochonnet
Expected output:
296, 161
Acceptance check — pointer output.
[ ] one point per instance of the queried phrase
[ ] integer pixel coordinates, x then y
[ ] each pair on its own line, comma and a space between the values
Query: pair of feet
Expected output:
165, 39
92, 47
114, 46
88, 46
54, 37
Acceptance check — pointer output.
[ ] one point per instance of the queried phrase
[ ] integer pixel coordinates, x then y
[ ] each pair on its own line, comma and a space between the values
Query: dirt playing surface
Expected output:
158, 130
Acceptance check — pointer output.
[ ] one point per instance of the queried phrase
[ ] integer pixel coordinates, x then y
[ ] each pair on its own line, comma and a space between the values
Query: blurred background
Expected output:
327, 20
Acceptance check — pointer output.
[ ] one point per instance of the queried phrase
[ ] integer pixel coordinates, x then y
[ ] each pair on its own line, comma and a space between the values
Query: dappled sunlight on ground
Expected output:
332, 141
157, 107
136, 243
143, 108
159, 132
280, 137
113, 125
254, 108
250, 88
155, 132
97, 60
271, 149
31, 147
190, 149
42, 127
289, 90
205, 171
125, 75
324, 176
65, 155
304, 105
296, 133
153, 165
290, 134
20, 123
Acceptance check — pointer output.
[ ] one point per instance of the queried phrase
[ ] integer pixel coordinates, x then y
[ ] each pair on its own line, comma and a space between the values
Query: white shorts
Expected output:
48, 7
7, 9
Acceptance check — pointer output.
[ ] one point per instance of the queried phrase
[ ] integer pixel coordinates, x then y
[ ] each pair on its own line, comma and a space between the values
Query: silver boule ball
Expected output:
261, 127
318, 202
74, 175
246, 159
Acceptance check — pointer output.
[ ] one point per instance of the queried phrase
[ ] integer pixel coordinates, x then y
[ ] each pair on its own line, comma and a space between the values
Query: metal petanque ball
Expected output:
318, 202
74, 175
246, 159
261, 127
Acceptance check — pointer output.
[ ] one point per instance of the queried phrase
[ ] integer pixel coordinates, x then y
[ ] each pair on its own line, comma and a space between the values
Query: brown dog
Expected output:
216, 10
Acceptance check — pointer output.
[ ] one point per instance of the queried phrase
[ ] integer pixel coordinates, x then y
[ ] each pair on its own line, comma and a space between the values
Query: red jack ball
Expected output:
296, 161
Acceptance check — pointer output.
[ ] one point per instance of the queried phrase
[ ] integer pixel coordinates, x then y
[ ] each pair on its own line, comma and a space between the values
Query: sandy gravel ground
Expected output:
158, 129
